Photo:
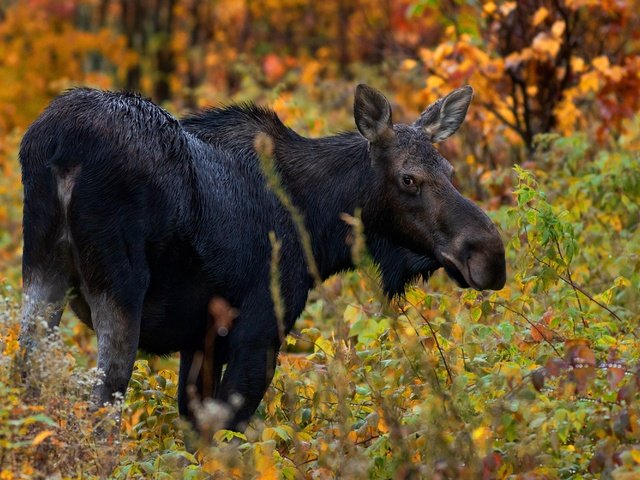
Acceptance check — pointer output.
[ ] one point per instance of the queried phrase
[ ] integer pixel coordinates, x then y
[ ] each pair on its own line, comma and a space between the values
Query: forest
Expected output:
538, 380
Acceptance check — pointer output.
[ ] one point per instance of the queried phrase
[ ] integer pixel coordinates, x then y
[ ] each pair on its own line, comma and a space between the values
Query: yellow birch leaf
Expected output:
426, 56
434, 83
41, 437
577, 64
408, 64
589, 82
489, 7
635, 455
616, 73
507, 8
457, 332
539, 16
546, 44
601, 63
441, 51
558, 28
382, 425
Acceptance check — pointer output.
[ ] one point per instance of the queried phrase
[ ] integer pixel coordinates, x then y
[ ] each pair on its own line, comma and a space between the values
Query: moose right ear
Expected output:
372, 114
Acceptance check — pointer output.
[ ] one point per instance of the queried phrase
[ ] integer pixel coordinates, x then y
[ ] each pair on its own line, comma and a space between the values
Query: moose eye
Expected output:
408, 181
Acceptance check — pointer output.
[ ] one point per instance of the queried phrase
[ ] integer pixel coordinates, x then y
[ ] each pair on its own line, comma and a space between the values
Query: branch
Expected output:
433, 334
533, 325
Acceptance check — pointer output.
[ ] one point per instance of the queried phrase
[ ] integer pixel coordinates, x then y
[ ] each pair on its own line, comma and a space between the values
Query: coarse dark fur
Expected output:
145, 220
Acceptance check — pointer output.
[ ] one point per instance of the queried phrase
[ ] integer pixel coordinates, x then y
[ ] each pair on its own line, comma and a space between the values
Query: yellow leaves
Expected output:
507, 7
10, 340
622, 282
616, 73
352, 314
441, 52
325, 346
457, 332
310, 72
281, 432
383, 427
546, 45
434, 83
481, 434
577, 64
635, 455
589, 82
41, 437
263, 455
541, 14
601, 63
558, 28
408, 64
514, 59
567, 114
489, 7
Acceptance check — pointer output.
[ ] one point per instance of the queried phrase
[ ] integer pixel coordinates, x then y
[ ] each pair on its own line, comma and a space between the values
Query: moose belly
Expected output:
174, 312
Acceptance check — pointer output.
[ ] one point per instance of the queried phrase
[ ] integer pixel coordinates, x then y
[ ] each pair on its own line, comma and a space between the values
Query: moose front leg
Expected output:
249, 373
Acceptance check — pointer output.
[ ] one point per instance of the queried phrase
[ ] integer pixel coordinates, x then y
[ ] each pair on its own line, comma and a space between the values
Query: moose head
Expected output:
414, 200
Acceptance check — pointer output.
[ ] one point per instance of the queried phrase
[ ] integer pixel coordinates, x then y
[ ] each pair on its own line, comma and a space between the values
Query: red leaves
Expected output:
490, 465
615, 368
581, 358
540, 331
578, 371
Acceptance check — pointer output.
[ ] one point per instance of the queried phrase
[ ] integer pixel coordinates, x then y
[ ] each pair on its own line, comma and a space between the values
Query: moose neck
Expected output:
326, 178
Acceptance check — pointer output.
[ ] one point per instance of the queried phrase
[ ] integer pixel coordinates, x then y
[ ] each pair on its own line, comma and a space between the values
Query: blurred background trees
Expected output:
537, 66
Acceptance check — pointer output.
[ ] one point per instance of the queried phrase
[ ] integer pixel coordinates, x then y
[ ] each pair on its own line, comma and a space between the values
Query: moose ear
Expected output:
442, 118
372, 113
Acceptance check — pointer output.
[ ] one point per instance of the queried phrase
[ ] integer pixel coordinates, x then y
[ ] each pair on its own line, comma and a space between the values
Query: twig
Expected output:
433, 334
580, 289
584, 321
533, 325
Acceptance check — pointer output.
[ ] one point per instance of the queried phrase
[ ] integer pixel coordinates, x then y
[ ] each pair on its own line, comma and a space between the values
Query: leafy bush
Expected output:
539, 380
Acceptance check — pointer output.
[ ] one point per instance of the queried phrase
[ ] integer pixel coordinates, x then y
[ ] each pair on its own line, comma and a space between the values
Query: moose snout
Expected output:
477, 260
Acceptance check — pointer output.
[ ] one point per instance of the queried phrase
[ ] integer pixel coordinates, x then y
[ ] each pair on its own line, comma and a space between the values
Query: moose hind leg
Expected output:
43, 300
118, 330
45, 288
114, 280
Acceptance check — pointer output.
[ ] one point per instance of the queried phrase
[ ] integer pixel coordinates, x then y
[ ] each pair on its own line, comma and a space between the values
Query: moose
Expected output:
137, 220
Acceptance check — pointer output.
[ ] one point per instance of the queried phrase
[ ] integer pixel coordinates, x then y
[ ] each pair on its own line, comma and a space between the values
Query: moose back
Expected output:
138, 221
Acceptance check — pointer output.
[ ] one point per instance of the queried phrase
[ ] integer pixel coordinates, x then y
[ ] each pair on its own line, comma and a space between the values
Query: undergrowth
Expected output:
538, 380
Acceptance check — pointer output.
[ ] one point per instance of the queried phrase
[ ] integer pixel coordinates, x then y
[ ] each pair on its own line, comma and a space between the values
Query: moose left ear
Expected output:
442, 118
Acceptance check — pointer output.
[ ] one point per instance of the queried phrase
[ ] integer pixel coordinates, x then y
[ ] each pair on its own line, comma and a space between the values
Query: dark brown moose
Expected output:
138, 220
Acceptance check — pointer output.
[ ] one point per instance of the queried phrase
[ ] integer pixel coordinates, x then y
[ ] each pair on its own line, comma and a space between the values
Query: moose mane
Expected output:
328, 176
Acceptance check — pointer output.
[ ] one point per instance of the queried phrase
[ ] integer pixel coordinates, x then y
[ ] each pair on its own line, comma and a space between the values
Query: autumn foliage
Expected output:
538, 381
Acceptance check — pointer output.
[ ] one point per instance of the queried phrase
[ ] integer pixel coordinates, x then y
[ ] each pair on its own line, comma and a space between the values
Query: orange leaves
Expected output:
541, 331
